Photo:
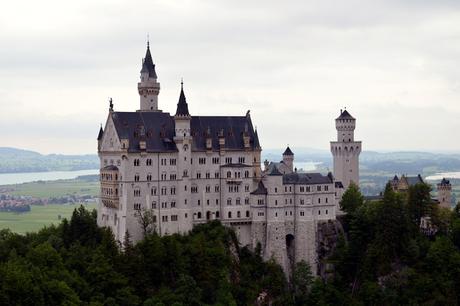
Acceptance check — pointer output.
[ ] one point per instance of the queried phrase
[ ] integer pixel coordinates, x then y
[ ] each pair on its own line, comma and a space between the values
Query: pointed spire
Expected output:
256, 139
182, 106
147, 65
101, 132
288, 152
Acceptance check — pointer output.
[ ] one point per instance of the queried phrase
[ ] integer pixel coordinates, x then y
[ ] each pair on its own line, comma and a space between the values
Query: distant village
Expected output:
21, 204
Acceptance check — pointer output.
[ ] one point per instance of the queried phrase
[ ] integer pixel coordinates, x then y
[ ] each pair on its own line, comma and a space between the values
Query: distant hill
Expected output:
14, 160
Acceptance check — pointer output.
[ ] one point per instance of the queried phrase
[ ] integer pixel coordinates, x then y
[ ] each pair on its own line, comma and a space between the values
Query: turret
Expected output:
148, 87
99, 138
346, 150
288, 158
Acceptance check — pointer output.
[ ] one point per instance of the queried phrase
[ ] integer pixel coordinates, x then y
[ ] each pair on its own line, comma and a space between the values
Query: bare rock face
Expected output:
327, 236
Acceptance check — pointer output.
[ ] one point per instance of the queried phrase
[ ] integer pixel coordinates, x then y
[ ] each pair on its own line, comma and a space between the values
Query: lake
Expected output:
19, 178
440, 176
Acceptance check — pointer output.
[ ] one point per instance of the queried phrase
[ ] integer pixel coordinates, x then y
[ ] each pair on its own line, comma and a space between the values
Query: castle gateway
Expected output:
185, 170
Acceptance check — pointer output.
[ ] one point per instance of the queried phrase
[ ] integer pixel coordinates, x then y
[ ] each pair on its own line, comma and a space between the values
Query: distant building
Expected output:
402, 184
444, 189
191, 169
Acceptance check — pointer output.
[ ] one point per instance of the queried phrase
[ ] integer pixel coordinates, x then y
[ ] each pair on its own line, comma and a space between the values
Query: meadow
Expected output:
59, 188
38, 217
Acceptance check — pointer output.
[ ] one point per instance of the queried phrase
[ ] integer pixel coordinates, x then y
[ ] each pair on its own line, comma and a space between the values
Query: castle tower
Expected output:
346, 150
288, 159
444, 189
148, 87
183, 141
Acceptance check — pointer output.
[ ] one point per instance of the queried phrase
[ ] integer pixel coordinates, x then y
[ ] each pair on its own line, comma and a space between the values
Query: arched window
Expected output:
229, 174
199, 215
229, 214
247, 213
238, 214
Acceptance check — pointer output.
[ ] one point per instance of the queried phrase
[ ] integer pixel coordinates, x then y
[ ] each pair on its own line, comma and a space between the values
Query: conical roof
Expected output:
148, 65
101, 132
345, 115
182, 106
288, 152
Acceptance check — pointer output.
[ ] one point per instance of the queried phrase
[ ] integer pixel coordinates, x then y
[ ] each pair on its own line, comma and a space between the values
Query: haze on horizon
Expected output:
393, 64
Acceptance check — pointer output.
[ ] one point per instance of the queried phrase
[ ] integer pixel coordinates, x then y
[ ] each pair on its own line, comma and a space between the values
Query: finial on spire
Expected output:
110, 104
148, 41
182, 83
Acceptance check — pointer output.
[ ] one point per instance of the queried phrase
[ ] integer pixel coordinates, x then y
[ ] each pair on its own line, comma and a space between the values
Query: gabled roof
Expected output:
273, 170
345, 115
182, 106
158, 130
148, 65
414, 180
260, 189
101, 132
307, 178
288, 152
396, 178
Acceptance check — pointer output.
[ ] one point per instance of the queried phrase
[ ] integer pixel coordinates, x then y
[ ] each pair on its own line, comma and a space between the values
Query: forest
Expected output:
382, 258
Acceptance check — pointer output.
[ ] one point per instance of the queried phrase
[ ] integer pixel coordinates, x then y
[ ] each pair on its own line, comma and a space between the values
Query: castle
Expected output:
187, 170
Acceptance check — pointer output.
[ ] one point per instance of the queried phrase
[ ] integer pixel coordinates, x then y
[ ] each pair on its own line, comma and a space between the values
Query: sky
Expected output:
393, 64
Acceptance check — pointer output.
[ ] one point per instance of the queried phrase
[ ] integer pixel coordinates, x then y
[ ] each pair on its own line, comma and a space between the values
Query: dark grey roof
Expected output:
148, 65
101, 132
231, 128
182, 106
444, 182
396, 178
345, 115
288, 152
414, 180
260, 189
236, 166
110, 167
273, 169
157, 129
307, 178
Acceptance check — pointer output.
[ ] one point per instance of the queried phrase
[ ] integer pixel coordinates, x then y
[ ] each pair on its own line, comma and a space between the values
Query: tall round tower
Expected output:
148, 87
346, 150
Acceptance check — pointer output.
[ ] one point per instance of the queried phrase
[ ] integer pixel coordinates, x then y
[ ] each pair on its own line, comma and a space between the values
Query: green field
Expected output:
38, 217
46, 189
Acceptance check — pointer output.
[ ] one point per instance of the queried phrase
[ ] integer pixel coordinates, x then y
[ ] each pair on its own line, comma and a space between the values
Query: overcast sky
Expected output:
395, 65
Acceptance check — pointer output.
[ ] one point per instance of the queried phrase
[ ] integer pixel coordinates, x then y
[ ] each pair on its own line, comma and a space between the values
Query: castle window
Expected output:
238, 214
319, 200
163, 190
228, 160
319, 212
199, 202
148, 162
136, 178
276, 202
208, 175
208, 188
149, 177
173, 190
207, 201
173, 217
173, 204
215, 160
216, 175
246, 174
153, 191
229, 201
217, 202
229, 214
172, 161
198, 175
307, 189
202, 160
302, 213
229, 174
276, 190
194, 189
246, 201
164, 205
276, 214
137, 206
164, 218
154, 205
216, 188
326, 211
326, 200
241, 160
326, 188
217, 214
136, 162
238, 201
137, 192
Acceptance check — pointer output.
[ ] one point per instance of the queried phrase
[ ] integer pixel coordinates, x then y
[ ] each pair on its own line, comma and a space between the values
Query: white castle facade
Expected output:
189, 169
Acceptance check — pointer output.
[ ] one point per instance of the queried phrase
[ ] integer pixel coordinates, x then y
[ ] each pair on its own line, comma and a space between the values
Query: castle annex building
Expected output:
188, 169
